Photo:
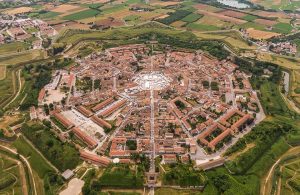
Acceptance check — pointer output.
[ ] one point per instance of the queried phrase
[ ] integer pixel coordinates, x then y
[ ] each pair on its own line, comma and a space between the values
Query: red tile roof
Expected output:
84, 111
113, 108
84, 137
95, 159
103, 104
101, 122
63, 120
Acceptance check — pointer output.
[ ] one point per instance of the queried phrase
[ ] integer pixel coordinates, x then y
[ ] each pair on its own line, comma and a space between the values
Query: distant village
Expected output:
197, 105
18, 28
282, 48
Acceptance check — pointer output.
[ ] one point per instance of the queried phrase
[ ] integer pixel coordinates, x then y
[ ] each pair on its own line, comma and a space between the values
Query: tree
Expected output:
221, 182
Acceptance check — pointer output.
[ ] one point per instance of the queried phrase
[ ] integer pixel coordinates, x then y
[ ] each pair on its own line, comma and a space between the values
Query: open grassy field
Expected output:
202, 27
40, 166
74, 37
259, 34
64, 8
285, 62
192, 18
18, 10
231, 38
165, 191
249, 17
295, 86
13, 47
8, 86
283, 28
22, 57
82, 14
2, 72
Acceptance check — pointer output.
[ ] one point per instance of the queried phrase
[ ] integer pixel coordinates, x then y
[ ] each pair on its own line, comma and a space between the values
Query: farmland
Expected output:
2, 72
258, 34
13, 47
216, 31
82, 14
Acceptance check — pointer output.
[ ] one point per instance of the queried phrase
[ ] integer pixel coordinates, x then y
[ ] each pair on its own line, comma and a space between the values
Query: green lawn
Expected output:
82, 14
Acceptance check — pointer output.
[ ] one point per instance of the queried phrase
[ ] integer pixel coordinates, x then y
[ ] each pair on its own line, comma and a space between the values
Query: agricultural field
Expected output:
259, 34
18, 10
13, 47
231, 38
202, 27
192, 18
285, 62
82, 14
22, 57
2, 72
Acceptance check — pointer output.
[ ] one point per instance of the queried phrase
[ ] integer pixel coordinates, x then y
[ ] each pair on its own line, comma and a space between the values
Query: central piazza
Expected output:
172, 103
152, 81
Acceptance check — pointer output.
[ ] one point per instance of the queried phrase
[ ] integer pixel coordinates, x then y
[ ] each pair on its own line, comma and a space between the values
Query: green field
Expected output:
113, 9
249, 17
38, 163
253, 25
82, 14
49, 15
121, 176
283, 28
183, 175
192, 18
131, 18
13, 47
8, 86
202, 27
62, 155
22, 57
